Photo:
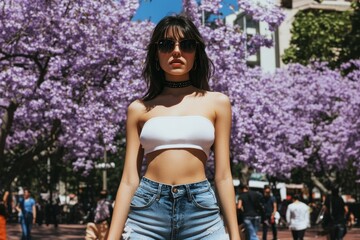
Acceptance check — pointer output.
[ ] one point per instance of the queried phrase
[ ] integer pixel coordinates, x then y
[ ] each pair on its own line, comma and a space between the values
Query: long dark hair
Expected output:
202, 68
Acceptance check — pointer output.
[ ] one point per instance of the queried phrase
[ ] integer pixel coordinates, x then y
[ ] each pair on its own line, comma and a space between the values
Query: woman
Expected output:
174, 126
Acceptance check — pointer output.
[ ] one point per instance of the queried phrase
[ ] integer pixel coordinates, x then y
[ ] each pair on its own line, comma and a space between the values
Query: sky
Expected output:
154, 10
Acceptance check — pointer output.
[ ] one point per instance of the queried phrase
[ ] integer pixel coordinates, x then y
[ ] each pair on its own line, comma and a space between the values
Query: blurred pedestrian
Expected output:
3, 213
283, 208
270, 206
39, 211
27, 210
250, 202
48, 212
336, 212
298, 218
55, 212
100, 228
349, 217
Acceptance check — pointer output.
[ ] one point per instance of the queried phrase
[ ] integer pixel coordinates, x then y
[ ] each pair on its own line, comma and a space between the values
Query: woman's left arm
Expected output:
223, 177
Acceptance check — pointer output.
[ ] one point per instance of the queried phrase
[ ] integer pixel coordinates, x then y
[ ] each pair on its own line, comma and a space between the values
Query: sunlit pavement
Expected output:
63, 231
77, 231
313, 233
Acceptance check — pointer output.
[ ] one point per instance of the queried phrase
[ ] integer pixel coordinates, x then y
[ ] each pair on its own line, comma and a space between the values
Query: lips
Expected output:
176, 61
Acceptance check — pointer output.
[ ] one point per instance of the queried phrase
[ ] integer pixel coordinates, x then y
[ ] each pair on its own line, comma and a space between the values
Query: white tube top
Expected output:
165, 132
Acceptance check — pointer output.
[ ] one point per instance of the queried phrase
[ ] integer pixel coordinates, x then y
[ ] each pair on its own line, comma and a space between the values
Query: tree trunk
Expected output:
7, 121
245, 174
318, 184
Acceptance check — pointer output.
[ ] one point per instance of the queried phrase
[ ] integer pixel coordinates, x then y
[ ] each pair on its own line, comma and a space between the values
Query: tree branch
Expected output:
318, 184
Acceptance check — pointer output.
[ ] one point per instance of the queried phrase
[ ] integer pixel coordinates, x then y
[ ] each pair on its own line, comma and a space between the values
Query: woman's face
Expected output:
176, 63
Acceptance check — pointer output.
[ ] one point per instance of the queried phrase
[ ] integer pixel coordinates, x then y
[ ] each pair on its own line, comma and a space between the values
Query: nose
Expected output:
176, 51
177, 46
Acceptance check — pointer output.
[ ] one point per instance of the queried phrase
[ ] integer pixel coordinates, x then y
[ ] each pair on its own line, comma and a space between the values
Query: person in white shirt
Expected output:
298, 218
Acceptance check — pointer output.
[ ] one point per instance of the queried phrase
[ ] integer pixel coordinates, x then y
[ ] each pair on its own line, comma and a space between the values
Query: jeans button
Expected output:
175, 190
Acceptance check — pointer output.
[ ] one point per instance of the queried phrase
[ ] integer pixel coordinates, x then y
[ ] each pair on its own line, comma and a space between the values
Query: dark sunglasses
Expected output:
168, 45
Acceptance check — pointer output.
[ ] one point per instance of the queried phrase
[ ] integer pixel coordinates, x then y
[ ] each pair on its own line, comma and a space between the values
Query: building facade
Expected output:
270, 58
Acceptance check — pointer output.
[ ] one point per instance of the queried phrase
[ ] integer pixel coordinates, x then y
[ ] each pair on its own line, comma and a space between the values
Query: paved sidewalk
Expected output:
312, 233
62, 232
77, 232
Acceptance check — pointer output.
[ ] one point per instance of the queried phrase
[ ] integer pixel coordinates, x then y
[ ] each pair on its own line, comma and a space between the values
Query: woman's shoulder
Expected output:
218, 98
136, 106
136, 111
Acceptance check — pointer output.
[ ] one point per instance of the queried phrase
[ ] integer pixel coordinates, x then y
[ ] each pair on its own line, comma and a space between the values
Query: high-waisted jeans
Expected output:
160, 211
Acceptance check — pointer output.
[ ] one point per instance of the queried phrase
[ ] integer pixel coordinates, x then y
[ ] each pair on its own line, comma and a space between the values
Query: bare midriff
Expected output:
176, 166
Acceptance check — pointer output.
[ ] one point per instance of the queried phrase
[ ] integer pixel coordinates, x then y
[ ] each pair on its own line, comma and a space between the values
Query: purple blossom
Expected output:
80, 62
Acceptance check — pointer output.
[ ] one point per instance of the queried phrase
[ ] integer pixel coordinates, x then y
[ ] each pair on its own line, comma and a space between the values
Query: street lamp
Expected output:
105, 166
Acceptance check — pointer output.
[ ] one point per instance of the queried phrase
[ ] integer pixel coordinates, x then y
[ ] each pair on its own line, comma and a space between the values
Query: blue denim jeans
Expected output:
252, 226
160, 211
26, 221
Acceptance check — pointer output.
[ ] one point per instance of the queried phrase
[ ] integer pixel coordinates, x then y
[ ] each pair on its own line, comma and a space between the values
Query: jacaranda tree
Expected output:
68, 70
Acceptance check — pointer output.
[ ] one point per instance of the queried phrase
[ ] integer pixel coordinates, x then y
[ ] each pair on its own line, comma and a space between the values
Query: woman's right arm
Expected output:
130, 177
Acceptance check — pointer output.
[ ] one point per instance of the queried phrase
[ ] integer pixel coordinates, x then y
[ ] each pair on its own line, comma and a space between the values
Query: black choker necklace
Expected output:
182, 84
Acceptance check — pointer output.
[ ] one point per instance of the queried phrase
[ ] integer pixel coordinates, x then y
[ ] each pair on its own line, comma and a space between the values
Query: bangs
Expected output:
177, 32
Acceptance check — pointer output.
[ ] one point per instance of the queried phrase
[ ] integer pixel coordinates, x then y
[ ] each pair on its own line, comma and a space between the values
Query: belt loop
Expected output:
158, 192
188, 192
